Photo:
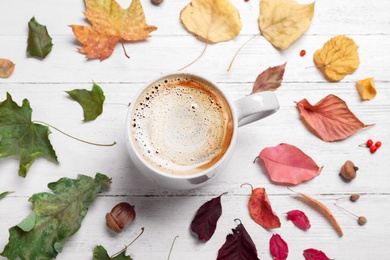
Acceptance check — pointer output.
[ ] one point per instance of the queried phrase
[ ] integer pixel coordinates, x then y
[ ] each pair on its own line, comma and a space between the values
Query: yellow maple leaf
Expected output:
337, 58
366, 88
211, 20
282, 22
110, 24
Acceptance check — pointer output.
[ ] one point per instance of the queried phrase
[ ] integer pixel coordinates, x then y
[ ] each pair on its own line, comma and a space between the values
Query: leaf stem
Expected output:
125, 248
68, 135
204, 50
247, 184
170, 250
235, 55
124, 49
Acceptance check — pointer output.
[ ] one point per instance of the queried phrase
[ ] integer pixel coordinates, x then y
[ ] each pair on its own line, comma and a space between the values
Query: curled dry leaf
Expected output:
205, 220
337, 58
238, 245
261, 211
278, 247
314, 254
282, 22
324, 210
299, 219
211, 21
287, 164
330, 119
6, 68
366, 88
270, 79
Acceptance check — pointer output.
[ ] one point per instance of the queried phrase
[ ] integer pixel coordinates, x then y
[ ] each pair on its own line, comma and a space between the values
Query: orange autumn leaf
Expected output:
337, 58
330, 119
110, 24
6, 68
282, 22
366, 88
260, 209
211, 21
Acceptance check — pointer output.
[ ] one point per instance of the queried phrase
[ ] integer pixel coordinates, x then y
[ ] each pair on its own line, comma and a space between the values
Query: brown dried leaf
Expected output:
6, 68
270, 79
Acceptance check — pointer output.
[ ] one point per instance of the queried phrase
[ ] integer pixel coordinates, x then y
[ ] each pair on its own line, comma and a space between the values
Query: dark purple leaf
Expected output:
238, 246
278, 247
205, 220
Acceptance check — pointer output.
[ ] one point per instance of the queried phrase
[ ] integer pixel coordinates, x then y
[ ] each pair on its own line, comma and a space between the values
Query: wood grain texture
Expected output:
165, 214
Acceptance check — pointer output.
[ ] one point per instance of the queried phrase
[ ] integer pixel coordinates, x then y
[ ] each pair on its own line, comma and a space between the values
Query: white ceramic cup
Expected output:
243, 111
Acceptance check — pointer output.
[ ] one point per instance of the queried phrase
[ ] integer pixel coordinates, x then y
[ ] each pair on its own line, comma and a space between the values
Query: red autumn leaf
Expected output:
287, 164
261, 211
330, 119
238, 246
205, 220
270, 79
314, 254
299, 219
278, 247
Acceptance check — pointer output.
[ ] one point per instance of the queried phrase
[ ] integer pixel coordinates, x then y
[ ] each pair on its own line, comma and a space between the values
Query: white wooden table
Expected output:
166, 214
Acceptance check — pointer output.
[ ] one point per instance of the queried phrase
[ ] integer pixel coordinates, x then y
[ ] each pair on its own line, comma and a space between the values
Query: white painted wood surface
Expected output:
166, 214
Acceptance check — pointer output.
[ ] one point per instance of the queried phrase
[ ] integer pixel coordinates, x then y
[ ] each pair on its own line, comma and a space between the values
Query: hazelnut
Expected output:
121, 215
348, 170
354, 197
157, 2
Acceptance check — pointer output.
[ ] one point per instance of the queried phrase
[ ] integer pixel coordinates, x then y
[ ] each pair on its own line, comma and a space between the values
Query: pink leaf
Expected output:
286, 164
314, 254
299, 219
330, 119
278, 247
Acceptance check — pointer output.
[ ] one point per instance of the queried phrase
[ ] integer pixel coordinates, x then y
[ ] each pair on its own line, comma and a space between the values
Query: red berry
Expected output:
369, 143
373, 149
302, 53
378, 144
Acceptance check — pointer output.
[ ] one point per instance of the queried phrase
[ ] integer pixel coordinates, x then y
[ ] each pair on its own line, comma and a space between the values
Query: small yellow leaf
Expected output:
282, 22
366, 88
211, 20
6, 68
337, 58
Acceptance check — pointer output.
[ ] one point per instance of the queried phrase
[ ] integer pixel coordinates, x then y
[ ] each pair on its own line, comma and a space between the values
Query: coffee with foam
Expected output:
181, 125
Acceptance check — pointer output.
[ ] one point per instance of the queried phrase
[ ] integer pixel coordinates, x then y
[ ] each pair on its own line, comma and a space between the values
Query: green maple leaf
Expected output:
55, 217
39, 42
100, 253
91, 101
20, 136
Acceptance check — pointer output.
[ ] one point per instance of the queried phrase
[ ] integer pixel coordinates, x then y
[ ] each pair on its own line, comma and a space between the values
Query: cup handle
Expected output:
256, 106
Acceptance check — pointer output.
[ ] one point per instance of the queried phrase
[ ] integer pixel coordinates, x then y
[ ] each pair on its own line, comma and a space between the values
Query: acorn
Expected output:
121, 215
348, 170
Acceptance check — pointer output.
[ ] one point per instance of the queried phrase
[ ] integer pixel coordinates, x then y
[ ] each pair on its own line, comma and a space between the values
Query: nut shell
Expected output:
348, 170
121, 215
